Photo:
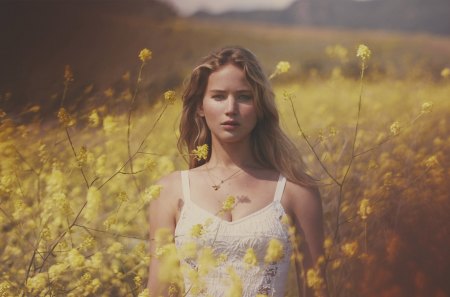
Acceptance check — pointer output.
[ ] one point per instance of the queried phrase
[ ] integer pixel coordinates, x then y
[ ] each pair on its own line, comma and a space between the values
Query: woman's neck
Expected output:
232, 155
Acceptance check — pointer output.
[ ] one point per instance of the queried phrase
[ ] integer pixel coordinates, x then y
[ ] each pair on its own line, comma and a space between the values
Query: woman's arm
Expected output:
162, 217
305, 209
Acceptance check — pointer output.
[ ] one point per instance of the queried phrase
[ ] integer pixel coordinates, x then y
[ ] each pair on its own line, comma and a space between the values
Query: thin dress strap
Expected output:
280, 188
185, 185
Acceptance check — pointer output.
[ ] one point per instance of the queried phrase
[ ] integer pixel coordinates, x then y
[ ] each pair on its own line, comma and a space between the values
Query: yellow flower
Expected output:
288, 95
56, 271
152, 192
283, 67
169, 96
313, 279
94, 119
188, 250
82, 157
221, 258
65, 119
63, 203
336, 264
197, 230
349, 249
109, 124
328, 244
173, 290
236, 287
122, 196
201, 153
206, 261
163, 236
364, 209
110, 221
229, 203
427, 107
363, 52
75, 259
250, 258
115, 248
87, 243
37, 283
93, 200
144, 293
4, 289
95, 261
262, 295
431, 161
395, 128
145, 55
197, 283
169, 268
137, 280
274, 251
445, 73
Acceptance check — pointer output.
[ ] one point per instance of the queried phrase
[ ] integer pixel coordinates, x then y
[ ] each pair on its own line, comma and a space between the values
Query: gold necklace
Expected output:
216, 187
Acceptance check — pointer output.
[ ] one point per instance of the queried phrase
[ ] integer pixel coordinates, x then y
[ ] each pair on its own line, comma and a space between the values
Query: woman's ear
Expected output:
200, 111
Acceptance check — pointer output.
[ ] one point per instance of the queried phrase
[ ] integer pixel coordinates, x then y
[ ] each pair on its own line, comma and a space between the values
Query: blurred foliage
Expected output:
72, 209
100, 42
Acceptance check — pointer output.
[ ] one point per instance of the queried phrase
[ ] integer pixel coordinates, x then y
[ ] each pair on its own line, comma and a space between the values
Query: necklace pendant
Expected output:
216, 187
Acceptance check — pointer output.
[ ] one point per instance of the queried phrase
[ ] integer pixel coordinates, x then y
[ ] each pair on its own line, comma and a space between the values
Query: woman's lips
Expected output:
230, 125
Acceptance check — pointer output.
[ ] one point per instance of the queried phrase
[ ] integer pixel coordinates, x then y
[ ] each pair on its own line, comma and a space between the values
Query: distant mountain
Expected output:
405, 15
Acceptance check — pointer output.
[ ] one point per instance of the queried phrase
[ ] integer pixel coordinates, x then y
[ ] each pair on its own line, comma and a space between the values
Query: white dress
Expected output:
229, 242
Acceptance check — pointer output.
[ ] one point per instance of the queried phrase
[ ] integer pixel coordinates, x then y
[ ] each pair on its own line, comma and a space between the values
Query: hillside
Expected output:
394, 15
101, 40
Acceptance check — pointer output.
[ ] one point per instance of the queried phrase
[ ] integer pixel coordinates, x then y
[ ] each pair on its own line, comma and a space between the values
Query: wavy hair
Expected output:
270, 146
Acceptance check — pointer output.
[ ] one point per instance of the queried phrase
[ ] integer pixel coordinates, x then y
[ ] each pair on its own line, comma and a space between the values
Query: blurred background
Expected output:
72, 224
99, 39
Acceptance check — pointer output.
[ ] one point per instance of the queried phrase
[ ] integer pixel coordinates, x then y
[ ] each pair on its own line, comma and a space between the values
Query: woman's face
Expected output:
228, 105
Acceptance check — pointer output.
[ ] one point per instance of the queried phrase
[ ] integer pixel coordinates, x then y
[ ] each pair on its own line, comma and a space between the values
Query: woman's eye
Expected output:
245, 97
218, 97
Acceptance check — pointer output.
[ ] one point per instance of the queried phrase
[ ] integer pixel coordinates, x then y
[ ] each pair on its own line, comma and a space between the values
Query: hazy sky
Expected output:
187, 7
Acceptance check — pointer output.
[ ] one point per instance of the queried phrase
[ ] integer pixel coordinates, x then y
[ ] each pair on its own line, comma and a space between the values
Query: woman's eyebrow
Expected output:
238, 91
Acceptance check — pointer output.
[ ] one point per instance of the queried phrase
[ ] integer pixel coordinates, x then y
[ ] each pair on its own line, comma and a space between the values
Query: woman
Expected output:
232, 212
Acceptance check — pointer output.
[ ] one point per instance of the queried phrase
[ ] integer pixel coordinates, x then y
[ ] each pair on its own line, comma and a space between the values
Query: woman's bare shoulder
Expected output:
169, 179
171, 189
303, 199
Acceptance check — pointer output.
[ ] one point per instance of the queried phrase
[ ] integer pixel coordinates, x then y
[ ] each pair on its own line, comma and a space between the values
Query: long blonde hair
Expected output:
271, 147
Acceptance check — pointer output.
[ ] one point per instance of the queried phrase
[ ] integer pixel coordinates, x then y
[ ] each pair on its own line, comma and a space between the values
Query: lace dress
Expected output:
229, 242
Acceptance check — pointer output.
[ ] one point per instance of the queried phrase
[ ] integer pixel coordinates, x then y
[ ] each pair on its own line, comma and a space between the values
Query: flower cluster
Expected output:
169, 97
229, 203
145, 55
363, 52
201, 152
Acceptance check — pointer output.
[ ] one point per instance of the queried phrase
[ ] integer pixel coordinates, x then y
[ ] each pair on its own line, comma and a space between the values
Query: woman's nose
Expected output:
231, 107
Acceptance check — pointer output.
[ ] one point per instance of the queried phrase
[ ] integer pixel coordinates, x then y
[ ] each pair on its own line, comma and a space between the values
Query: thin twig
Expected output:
76, 158
341, 185
130, 111
109, 233
137, 150
309, 144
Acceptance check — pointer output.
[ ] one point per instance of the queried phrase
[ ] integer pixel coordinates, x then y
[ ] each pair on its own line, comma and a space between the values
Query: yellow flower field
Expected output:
74, 192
